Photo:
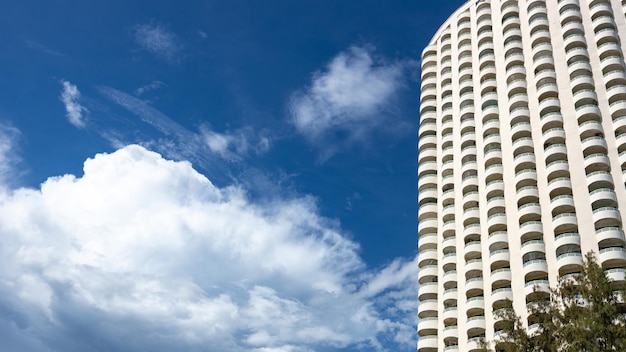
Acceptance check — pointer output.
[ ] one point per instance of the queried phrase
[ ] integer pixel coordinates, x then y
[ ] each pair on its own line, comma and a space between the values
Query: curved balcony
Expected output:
533, 246
500, 296
450, 316
494, 187
599, 179
449, 228
587, 110
451, 332
554, 135
498, 240
535, 266
523, 144
612, 256
427, 257
500, 257
427, 344
450, 279
474, 287
520, 114
475, 325
427, 241
590, 128
620, 140
427, 211
617, 275
475, 305
562, 204
606, 216
555, 152
449, 243
536, 285
524, 159
427, 308
427, 326
493, 156
427, 290
474, 265
570, 239
608, 49
449, 259
501, 277
604, 195
471, 231
594, 145
569, 262
527, 193
559, 186
548, 105
611, 236
450, 295
428, 273
427, 226
472, 249
531, 230
520, 129
597, 161
566, 222
496, 222
529, 212
427, 154
494, 172
526, 177
618, 107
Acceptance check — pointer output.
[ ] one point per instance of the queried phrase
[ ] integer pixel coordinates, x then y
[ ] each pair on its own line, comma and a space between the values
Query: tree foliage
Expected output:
585, 313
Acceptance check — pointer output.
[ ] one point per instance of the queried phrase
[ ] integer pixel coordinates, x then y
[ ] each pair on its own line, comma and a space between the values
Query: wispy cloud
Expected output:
70, 96
8, 156
350, 98
147, 252
159, 41
181, 143
231, 145
38, 46
154, 85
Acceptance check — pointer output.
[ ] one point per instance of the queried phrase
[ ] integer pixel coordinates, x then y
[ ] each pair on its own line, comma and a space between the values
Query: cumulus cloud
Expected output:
70, 96
159, 41
142, 253
350, 97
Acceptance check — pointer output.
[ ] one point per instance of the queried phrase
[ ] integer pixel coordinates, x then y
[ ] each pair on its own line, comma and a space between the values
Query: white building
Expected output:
522, 159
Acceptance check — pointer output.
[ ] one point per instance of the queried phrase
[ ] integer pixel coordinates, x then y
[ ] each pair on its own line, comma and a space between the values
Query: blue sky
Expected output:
210, 176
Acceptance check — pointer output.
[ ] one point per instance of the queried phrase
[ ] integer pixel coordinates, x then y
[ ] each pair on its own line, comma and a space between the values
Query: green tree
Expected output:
585, 313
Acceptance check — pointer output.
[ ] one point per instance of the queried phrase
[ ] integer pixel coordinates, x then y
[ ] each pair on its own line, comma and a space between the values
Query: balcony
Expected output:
536, 285
535, 266
612, 236
606, 216
427, 309
427, 344
427, 226
500, 277
566, 222
427, 326
569, 262
613, 255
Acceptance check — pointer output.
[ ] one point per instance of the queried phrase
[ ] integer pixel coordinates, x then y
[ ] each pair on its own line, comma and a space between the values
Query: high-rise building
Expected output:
522, 159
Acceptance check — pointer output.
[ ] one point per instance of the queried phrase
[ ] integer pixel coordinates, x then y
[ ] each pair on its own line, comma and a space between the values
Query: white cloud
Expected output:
231, 145
159, 41
8, 159
351, 96
70, 97
182, 143
149, 87
141, 253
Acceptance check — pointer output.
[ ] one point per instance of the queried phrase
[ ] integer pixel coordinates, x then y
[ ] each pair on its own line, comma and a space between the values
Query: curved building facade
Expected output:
522, 159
